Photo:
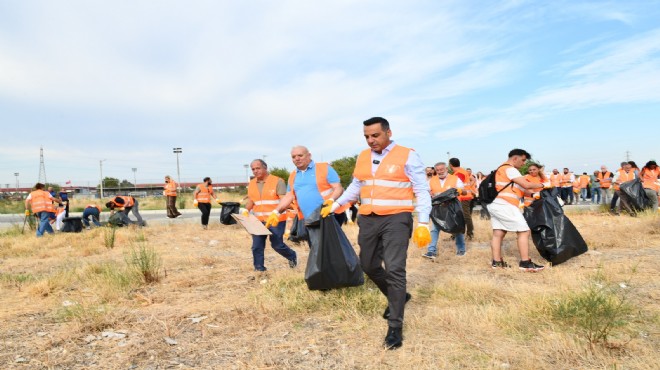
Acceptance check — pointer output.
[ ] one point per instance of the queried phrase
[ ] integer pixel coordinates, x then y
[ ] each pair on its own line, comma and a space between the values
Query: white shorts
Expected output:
506, 217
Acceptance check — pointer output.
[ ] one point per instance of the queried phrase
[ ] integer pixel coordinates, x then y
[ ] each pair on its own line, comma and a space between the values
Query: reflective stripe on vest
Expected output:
438, 187
204, 195
41, 201
566, 180
509, 193
170, 189
266, 201
388, 191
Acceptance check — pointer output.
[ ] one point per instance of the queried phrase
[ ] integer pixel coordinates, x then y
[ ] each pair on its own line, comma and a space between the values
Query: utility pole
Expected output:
42, 167
177, 151
134, 179
101, 168
15, 174
627, 155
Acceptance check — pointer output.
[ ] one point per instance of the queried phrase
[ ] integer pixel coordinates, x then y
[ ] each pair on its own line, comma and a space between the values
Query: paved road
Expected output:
189, 216
152, 217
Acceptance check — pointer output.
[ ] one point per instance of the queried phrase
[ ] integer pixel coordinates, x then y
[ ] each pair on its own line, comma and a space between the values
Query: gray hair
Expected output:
261, 161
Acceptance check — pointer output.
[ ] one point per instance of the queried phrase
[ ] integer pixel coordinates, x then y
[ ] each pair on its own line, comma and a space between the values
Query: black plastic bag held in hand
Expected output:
298, 232
633, 192
332, 261
553, 234
447, 213
227, 209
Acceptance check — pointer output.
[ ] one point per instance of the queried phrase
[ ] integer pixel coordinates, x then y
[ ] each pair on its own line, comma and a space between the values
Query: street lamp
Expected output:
101, 168
246, 172
177, 151
134, 179
16, 174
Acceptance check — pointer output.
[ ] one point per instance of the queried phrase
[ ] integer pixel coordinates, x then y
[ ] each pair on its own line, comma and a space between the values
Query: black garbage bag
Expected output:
447, 212
72, 225
119, 219
633, 192
553, 234
332, 261
298, 233
227, 209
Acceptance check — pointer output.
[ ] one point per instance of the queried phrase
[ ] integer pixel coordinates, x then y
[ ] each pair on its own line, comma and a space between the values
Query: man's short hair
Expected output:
374, 120
39, 186
110, 205
262, 162
206, 179
454, 162
440, 164
520, 152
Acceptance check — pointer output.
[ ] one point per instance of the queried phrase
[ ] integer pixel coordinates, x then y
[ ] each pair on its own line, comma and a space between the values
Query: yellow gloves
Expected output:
273, 219
243, 211
422, 235
27, 213
547, 185
195, 203
287, 233
329, 206
218, 201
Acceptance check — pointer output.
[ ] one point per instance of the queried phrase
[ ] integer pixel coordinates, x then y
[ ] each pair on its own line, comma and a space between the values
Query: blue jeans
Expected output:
276, 241
595, 195
583, 194
93, 213
44, 223
435, 233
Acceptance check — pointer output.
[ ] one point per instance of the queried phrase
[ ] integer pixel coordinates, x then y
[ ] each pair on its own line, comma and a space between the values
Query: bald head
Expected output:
301, 157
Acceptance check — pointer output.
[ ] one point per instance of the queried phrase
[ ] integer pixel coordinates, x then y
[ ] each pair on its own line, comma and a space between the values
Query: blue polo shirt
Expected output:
307, 192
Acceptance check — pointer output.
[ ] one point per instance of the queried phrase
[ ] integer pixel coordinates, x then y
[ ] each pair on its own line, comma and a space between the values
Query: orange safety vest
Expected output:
650, 178
128, 201
509, 193
528, 200
170, 189
41, 200
605, 181
555, 180
266, 201
465, 179
437, 187
584, 181
204, 195
576, 186
325, 189
623, 177
566, 180
94, 206
389, 191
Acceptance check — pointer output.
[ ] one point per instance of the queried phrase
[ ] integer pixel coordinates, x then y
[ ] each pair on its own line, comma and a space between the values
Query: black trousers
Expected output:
467, 215
206, 212
383, 244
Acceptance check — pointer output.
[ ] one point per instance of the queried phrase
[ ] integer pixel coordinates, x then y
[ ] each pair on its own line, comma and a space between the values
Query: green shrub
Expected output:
596, 312
145, 262
109, 236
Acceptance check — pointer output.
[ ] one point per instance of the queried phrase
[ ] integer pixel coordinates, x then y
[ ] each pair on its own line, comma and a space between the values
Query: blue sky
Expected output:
575, 83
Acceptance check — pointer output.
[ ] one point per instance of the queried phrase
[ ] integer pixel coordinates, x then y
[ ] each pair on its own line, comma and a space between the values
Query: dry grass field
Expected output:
69, 301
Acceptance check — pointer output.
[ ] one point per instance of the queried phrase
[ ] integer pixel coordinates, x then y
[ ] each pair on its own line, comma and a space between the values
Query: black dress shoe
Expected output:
394, 338
386, 314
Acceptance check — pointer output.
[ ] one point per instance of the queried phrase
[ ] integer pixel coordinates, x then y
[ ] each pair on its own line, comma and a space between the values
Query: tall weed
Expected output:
145, 262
